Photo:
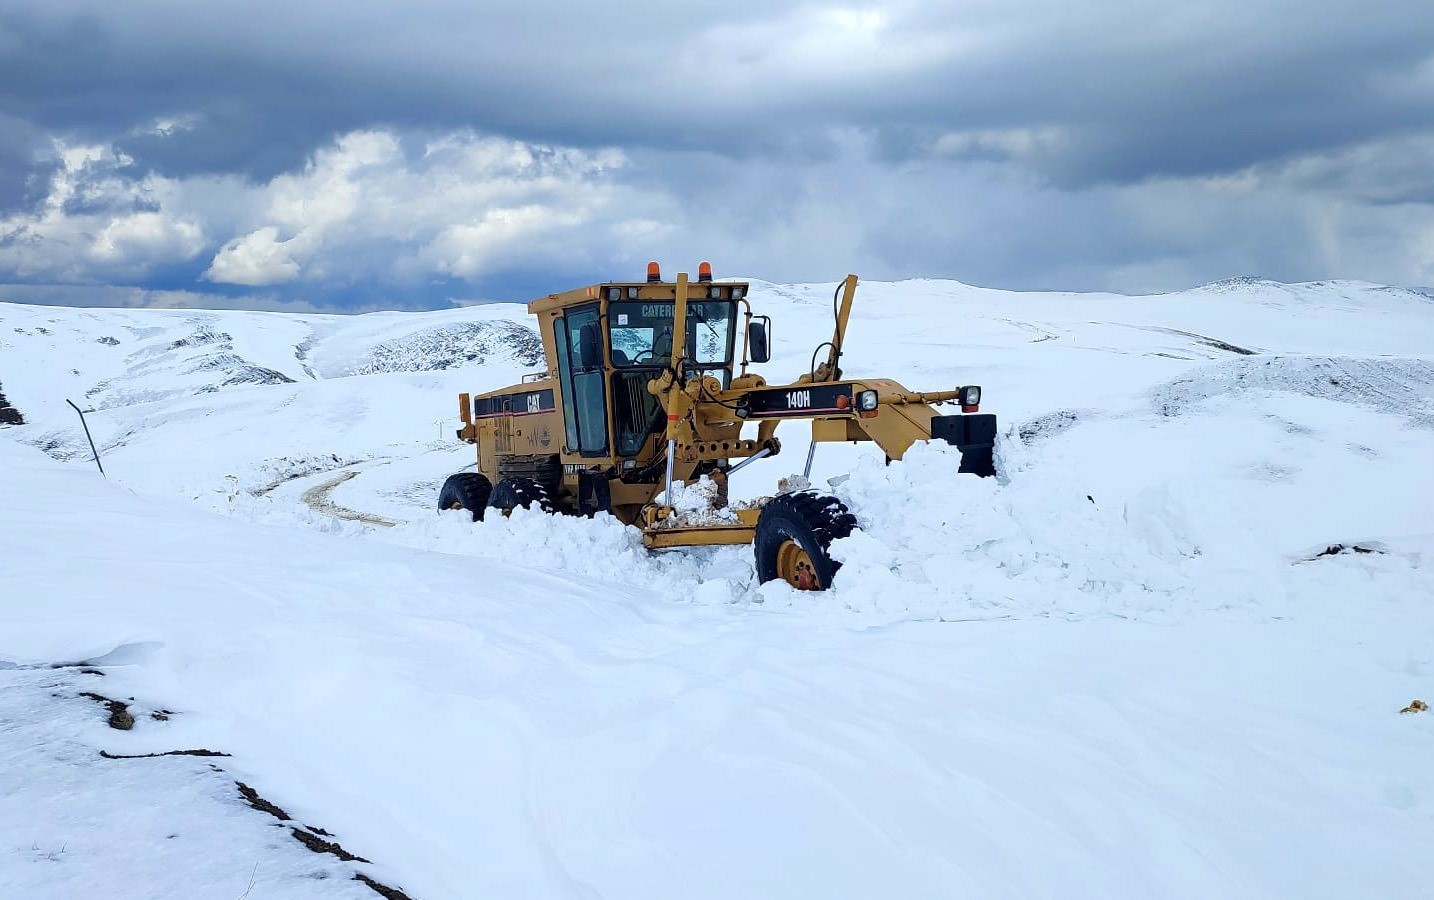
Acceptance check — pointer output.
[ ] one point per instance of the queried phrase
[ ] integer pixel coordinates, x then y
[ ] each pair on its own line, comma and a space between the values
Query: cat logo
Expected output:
799, 399
535, 403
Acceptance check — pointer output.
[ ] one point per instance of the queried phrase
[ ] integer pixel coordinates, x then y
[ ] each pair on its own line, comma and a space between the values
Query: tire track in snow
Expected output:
317, 499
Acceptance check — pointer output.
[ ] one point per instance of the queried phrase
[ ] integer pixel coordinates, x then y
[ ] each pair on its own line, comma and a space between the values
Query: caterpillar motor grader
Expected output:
639, 400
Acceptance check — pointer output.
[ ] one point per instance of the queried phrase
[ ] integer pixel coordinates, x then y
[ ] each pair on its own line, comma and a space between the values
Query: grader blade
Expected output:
974, 436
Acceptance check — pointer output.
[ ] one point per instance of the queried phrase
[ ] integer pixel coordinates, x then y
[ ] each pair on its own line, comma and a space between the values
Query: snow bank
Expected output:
933, 544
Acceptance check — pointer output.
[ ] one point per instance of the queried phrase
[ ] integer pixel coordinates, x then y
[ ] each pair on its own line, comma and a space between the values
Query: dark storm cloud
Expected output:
1018, 142
23, 169
1139, 89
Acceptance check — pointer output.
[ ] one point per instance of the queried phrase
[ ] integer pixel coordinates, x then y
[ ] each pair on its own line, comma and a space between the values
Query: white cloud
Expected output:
96, 221
460, 205
258, 258
394, 215
369, 205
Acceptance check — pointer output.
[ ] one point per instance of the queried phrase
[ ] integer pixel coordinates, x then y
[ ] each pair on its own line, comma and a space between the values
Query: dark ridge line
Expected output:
200, 752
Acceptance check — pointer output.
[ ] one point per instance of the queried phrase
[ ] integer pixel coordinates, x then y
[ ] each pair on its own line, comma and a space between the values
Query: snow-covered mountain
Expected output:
1162, 654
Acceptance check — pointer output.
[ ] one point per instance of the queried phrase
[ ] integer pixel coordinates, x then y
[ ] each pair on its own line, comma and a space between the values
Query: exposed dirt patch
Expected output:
120, 718
1051, 424
319, 845
85, 668
314, 838
382, 890
260, 803
1336, 549
310, 836
1341, 550
9, 415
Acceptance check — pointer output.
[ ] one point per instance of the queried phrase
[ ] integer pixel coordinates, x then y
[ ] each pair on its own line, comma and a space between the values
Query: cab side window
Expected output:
584, 397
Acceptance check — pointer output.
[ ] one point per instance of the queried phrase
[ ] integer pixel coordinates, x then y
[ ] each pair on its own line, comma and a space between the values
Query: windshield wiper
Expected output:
703, 319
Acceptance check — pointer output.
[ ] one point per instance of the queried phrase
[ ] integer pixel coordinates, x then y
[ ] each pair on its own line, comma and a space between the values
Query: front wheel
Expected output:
511, 493
466, 490
794, 536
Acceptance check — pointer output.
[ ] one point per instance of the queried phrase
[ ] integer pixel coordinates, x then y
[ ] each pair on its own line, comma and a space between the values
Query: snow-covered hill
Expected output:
1162, 654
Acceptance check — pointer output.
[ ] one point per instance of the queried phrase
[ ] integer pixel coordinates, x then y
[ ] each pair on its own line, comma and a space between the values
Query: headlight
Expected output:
738, 292
715, 292
971, 395
866, 401
614, 294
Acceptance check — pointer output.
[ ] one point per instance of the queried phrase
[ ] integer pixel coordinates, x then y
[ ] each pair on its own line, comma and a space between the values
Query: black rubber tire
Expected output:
812, 520
468, 490
511, 493
545, 470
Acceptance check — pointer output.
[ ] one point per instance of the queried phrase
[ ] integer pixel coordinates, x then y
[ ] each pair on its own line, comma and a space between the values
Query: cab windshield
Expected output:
641, 333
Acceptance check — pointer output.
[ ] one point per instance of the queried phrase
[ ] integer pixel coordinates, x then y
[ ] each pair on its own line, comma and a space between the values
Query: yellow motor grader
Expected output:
639, 401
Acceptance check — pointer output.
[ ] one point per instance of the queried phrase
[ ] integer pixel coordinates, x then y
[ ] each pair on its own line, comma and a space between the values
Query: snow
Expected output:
156, 828
1128, 666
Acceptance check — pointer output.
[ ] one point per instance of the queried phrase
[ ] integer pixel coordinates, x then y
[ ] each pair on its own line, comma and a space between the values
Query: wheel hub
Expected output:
794, 567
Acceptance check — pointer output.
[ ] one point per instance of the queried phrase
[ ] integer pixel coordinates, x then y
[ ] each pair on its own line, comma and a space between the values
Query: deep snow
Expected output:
1125, 667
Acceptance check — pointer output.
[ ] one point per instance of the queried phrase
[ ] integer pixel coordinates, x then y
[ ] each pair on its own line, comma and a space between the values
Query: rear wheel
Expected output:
466, 490
794, 535
511, 493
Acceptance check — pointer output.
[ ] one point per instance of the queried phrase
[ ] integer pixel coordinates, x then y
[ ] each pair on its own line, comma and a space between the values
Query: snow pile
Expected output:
699, 503
934, 544
600, 549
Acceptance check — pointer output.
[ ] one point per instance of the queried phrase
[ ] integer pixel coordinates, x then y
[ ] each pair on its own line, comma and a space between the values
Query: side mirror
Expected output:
589, 347
759, 349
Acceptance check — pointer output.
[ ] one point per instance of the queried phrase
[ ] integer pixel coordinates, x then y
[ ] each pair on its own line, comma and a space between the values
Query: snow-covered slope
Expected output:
1162, 655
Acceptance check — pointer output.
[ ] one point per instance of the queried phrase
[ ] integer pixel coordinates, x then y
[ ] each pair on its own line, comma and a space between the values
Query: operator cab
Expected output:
612, 339
640, 334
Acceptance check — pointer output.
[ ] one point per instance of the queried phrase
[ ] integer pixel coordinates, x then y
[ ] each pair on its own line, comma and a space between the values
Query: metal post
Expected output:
811, 452
671, 464
679, 347
764, 452
87, 435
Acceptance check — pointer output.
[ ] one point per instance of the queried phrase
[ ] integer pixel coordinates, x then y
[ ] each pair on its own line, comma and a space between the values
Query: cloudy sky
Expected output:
318, 154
